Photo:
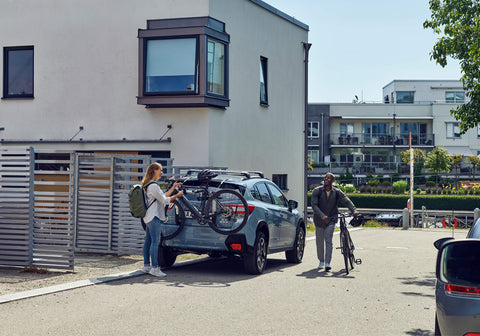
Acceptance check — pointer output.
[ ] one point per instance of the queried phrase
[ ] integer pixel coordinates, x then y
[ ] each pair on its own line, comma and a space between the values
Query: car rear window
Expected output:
461, 264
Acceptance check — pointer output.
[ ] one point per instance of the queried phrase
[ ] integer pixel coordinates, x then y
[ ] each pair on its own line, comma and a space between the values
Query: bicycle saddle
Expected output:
206, 174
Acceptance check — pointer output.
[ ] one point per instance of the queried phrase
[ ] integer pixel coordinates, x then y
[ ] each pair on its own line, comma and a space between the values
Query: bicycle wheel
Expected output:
344, 247
175, 220
351, 248
228, 211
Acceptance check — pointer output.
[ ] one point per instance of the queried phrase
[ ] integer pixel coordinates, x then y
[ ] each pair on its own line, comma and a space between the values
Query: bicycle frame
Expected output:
346, 244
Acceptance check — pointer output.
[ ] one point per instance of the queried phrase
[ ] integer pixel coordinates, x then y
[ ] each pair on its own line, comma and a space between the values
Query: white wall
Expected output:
86, 74
425, 90
247, 135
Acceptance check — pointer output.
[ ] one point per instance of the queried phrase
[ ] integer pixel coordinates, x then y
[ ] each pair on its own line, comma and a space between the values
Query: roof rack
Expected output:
246, 174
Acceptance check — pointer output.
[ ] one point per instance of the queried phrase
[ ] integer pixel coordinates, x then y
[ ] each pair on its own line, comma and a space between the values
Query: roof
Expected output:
281, 14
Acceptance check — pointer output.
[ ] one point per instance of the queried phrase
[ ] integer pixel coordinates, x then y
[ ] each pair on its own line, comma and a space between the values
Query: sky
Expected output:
358, 47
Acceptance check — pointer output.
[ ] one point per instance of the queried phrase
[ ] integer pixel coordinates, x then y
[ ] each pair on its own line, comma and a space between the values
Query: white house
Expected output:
205, 82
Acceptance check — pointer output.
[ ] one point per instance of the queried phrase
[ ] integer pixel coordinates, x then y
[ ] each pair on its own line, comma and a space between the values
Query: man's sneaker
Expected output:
155, 271
321, 265
146, 268
327, 267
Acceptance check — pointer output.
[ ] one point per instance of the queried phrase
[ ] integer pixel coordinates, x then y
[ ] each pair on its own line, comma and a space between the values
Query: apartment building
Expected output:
368, 138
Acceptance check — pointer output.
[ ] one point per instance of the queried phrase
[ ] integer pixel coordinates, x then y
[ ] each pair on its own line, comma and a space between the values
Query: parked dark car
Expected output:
457, 290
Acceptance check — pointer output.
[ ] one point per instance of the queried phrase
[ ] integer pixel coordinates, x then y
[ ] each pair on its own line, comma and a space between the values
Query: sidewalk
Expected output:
18, 283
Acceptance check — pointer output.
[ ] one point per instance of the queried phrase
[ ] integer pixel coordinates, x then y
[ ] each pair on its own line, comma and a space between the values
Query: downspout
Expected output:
306, 48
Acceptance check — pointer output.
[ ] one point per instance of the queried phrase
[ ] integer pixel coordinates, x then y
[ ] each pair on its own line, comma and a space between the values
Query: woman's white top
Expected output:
157, 196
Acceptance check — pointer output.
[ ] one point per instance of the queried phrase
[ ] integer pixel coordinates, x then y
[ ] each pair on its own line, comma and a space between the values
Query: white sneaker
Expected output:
155, 271
321, 265
146, 268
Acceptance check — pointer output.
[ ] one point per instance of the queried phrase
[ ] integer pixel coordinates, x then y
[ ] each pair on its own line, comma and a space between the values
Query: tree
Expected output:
456, 160
459, 22
438, 160
418, 160
474, 162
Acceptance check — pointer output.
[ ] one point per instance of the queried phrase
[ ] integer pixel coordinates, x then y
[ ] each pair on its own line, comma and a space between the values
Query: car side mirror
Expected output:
292, 205
438, 243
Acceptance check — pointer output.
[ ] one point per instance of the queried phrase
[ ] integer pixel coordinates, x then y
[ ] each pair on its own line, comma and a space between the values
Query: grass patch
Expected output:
375, 224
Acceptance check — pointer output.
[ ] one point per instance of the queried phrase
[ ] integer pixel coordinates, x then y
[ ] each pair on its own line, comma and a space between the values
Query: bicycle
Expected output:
346, 243
224, 210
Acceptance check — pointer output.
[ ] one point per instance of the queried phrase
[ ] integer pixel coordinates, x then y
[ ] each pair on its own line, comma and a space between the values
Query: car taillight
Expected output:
236, 247
472, 334
462, 290
239, 208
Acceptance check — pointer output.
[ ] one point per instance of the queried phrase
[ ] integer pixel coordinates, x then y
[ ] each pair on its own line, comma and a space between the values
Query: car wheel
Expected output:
166, 256
255, 262
296, 254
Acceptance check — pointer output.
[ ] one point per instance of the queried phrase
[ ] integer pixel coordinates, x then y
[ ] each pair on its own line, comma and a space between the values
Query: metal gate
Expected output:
36, 209
53, 203
103, 220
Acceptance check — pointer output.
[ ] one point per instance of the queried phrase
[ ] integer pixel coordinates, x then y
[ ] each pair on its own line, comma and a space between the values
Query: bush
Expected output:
374, 182
386, 183
399, 187
347, 188
418, 191
430, 184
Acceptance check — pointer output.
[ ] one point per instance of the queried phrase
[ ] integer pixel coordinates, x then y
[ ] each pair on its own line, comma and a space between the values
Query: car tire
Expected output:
255, 261
166, 256
295, 255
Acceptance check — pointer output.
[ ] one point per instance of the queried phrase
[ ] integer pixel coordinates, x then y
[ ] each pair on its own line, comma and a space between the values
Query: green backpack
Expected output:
136, 200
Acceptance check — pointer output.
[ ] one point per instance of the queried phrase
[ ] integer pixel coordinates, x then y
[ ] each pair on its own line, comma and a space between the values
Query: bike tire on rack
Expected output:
175, 220
228, 210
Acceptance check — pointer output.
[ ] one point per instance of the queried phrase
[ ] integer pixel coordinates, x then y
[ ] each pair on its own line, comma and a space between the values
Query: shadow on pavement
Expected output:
316, 273
212, 272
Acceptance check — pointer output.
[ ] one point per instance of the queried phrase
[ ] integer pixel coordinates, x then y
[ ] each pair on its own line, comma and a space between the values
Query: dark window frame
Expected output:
204, 28
264, 73
196, 75
6, 72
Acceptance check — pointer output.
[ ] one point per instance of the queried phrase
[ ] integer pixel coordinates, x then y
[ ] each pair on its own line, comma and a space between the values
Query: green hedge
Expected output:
431, 202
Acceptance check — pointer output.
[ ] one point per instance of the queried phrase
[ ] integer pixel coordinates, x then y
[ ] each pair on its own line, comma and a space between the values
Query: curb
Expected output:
82, 283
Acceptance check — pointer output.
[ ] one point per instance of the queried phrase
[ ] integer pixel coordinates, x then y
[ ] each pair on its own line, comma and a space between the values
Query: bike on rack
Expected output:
346, 243
224, 210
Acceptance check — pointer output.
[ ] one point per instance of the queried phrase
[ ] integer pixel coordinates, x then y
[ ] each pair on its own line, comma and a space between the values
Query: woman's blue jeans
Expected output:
153, 231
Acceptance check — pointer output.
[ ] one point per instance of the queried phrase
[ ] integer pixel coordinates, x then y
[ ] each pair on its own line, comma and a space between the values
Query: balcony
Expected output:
385, 140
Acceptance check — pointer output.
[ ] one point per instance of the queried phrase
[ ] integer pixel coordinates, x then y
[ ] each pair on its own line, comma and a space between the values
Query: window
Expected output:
313, 127
405, 97
455, 97
263, 81
453, 130
171, 66
183, 63
18, 72
314, 156
216, 67
346, 129
260, 192
373, 132
278, 197
280, 180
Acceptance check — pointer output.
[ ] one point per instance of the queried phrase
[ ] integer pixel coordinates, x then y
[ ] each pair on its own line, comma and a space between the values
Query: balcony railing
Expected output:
360, 139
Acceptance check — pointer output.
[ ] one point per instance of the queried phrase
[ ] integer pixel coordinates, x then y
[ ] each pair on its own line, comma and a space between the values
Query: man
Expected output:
325, 215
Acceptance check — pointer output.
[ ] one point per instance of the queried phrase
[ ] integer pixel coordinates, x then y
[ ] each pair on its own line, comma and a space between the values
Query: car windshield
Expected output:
461, 264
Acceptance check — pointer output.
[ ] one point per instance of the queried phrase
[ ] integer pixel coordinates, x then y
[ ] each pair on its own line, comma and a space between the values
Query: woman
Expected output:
155, 216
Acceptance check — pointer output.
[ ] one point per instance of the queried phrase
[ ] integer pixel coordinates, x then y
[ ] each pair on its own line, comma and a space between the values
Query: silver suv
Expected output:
457, 289
273, 224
